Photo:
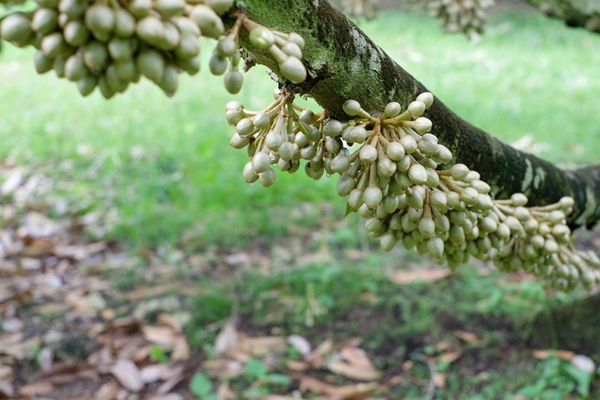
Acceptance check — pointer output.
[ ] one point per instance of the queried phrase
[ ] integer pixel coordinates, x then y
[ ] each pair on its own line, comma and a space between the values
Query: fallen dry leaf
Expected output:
316, 358
443, 346
440, 380
10, 339
107, 391
36, 389
362, 392
296, 365
37, 247
466, 336
562, 354
161, 335
350, 342
223, 369
12, 325
177, 376
12, 182
6, 388
181, 349
300, 343
6, 372
408, 365
422, 275
45, 359
395, 380
128, 375
308, 384
583, 363
227, 339
353, 372
155, 372
357, 357
449, 357
169, 396
225, 393
261, 346
170, 321
107, 314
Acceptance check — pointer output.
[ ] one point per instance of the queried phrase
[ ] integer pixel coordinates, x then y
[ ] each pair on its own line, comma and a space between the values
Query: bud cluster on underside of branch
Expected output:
388, 168
113, 44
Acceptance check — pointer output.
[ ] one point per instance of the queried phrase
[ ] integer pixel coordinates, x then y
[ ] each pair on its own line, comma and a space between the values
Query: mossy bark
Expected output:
582, 13
344, 63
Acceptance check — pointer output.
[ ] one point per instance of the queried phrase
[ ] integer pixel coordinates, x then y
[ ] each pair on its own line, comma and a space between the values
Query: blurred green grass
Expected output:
173, 170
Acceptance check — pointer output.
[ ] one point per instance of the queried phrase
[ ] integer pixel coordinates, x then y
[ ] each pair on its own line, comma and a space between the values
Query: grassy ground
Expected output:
167, 167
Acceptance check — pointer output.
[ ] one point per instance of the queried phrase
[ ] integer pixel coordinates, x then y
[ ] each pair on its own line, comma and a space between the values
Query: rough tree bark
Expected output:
344, 64
583, 13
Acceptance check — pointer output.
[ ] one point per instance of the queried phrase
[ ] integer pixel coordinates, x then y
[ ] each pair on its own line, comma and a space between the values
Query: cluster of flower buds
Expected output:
360, 8
112, 44
466, 16
285, 48
539, 243
282, 134
225, 60
392, 179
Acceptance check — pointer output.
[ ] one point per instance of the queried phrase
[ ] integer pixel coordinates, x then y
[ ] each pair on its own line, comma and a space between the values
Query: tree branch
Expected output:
582, 13
344, 64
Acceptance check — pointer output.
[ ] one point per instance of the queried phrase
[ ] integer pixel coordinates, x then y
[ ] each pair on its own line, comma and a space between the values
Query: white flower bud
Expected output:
426, 98
373, 196
345, 185
428, 147
519, 199
368, 154
238, 142
423, 125
262, 37
355, 199
261, 162
249, 175
234, 106
357, 134
409, 143
386, 167
567, 202
392, 110
267, 178
444, 156
459, 172
293, 69
418, 174
332, 128
245, 127
395, 151
416, 108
